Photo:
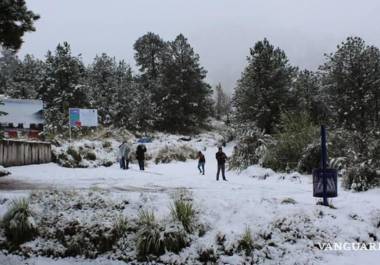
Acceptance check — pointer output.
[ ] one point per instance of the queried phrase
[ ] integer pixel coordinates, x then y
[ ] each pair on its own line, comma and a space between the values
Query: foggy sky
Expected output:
221, 31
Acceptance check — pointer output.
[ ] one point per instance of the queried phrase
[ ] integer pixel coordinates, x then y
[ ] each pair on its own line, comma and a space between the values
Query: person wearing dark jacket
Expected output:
221, 159
201, 163
140, 155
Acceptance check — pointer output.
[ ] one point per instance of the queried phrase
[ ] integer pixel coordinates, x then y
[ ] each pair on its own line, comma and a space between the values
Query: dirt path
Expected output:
11, 184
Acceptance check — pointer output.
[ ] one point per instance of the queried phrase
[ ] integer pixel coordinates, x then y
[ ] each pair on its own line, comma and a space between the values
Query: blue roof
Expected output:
23, 111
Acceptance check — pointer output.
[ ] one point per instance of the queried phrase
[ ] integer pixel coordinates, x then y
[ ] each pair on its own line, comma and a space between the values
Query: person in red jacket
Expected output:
221, 159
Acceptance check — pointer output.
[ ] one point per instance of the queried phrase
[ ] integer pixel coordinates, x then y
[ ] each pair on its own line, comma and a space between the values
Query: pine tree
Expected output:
222, 102
263, 90
26, 79
111, 84
186, 101
63, 87
102, 81
9, 63
142, 114
149, 53
125, 86
15, 20
352, 81
307, 97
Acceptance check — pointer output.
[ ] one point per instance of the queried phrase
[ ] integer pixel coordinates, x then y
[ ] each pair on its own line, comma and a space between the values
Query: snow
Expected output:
3, 171
250, 198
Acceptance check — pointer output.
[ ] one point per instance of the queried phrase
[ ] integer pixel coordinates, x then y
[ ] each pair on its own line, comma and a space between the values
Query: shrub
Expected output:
288, 201
149, 241
90, 156
107, 144
120, 227
175, 238
146, 218
361, 177
18, 222
296, 132
207, 256
246, 242
86, 239
352, 148
154, 239
250, 149
74, 153
310, 158
183, 211
107, 163
175, 153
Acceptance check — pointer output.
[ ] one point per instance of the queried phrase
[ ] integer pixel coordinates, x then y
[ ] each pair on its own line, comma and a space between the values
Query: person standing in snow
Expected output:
201, 163
122, 149
140, 155
221, 159
127, 149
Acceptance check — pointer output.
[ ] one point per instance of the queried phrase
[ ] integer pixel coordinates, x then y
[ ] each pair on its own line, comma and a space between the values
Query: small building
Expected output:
24, 118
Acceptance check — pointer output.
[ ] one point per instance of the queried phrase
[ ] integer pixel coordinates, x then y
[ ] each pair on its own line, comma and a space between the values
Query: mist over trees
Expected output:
222, 103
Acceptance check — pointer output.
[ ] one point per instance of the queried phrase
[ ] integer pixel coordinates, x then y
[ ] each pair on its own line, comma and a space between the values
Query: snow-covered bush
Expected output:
310, 158
207, 256
288, 201
250, 149
149, 241
184, 212
344, 148
76, 156
296, 132
88, 240
246, 242
362, 161
85, 153
90, 155
175, 153
18, 222
85, 224
153, 238
120, 226
175, 237
361, 177
4, 172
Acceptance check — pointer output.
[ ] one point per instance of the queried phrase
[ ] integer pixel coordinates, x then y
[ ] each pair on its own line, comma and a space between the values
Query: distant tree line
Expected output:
169, 92
345, 92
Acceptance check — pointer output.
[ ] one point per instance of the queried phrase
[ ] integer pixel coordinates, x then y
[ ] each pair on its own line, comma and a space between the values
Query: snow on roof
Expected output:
25, 111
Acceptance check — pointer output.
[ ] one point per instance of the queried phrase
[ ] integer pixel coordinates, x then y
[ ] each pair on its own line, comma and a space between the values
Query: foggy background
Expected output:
220, 31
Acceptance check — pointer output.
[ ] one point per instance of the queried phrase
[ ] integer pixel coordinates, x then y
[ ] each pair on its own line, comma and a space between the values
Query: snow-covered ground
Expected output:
251, 198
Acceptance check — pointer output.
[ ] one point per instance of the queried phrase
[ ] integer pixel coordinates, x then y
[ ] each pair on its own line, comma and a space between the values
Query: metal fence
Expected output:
19, 153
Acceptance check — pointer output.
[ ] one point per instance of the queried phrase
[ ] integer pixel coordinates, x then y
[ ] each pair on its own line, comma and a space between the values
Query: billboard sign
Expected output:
83, 117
